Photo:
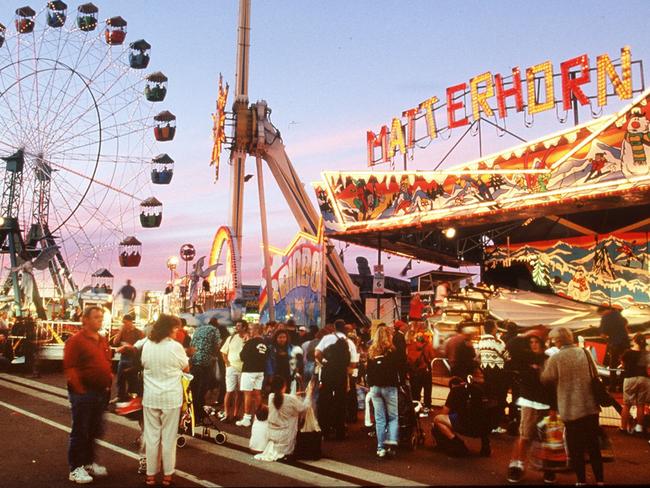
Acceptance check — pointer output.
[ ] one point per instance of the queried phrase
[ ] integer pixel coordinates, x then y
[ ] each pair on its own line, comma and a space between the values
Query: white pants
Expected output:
160, 431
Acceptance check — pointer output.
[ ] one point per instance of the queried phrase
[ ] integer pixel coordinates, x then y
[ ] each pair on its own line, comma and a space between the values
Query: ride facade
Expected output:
565, 213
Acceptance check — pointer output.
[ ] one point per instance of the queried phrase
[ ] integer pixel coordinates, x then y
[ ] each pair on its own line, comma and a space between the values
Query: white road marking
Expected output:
108, 445
288, 471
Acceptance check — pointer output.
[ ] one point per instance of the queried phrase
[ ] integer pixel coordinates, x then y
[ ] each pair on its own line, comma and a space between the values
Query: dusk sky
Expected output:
330, 71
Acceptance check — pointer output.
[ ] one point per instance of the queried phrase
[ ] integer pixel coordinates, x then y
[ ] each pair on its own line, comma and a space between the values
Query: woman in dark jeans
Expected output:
569, 371
383, 382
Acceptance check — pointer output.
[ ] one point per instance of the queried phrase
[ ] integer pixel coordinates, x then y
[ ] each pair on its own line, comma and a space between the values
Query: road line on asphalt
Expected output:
331, 465
237, 440
375, 477
286, 470
108, 445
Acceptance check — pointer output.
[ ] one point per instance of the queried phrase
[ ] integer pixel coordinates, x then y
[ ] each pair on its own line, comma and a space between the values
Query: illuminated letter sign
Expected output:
479, 99
623, 88
396, 137
427, 105
574, 76
453, 106
381, 141
547, 69
514, 91
571, 85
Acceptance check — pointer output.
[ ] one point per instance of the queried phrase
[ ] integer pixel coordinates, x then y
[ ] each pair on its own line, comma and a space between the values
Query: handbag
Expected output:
603, 398
309, 438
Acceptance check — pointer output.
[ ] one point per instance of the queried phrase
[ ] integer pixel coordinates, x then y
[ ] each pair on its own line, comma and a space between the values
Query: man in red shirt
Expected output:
87, 367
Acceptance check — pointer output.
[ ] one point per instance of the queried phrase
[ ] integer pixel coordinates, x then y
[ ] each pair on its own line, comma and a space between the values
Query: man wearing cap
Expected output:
126, 367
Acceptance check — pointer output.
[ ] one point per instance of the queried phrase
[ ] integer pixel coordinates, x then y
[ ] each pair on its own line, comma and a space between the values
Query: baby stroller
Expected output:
211, 419
411, 433
186, 423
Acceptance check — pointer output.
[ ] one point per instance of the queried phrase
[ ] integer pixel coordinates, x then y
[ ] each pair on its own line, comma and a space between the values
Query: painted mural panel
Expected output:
611, 269
297, 284
608, 155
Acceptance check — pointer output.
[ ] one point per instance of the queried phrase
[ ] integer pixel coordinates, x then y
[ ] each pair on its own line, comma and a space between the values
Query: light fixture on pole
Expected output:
187, 252
172, 263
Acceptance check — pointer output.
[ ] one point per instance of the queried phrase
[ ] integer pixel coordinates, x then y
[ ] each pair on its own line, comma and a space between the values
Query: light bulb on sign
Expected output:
450, 233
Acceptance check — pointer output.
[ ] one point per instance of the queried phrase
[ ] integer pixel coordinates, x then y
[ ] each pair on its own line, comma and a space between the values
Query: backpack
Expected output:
337, 358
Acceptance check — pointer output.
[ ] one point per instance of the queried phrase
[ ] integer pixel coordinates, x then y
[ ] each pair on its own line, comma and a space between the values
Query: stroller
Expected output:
186, 423
411, 433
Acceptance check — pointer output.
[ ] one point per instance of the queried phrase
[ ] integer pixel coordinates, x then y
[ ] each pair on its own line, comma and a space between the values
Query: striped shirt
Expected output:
163, 364
491, 352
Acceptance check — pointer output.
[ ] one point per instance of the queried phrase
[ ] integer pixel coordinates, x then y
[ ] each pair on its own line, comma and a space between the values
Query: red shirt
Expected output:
415, 310
90, 359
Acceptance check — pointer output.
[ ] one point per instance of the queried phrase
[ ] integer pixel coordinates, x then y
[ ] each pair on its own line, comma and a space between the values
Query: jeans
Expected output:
581, 437
87, 425
384, 401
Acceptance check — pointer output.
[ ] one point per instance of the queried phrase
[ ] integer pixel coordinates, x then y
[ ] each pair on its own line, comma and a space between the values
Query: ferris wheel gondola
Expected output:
76, 137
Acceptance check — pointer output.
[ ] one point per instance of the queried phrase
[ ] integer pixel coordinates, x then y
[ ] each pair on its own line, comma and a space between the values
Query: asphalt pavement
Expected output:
35, 421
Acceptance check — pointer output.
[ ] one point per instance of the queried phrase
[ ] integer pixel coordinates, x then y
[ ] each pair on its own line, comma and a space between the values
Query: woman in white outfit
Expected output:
284, 413
164, 360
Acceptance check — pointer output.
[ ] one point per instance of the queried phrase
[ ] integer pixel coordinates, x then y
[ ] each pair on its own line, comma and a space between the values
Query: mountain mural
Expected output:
613, 269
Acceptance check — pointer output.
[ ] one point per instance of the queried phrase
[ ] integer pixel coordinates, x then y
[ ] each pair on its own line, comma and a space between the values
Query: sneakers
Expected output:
244, 422
638, 429
516, 471
80, 475
499, 430
142, 465
222, 416
381, 453
95, 469
550, 478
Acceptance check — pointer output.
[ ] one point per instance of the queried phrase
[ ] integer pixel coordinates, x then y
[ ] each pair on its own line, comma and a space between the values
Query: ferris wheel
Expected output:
80, 121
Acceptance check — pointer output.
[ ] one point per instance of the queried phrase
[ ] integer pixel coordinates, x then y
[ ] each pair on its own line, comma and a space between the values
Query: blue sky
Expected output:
332, 70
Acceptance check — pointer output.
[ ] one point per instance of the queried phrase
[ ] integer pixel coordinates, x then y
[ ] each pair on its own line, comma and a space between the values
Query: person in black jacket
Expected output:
253, 356
382, 378
535, 401
465, 412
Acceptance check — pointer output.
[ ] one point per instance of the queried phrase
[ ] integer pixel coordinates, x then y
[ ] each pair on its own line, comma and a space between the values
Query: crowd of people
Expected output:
267, 378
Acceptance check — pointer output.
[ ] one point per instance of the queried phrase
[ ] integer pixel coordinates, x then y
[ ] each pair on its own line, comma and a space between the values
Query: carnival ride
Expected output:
78, 125
572, 207
254, 134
